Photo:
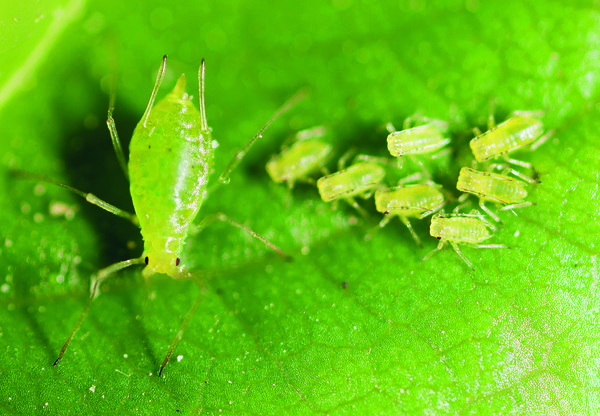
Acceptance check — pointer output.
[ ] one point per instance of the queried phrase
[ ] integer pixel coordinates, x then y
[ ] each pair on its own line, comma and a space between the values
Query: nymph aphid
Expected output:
501, 189
170, 158
426, 138
468, 229
360, 179
409, 201
305, 157
516, 132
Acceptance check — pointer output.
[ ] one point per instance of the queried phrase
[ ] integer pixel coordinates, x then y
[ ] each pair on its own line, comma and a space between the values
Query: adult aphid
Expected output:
470, 229
170, 158
493, 187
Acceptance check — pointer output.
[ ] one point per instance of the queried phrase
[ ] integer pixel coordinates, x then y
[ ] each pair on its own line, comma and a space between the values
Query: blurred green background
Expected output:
517, 336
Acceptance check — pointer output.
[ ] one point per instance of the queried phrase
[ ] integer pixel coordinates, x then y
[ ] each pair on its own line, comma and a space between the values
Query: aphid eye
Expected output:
177, 261
146, 260
439, 238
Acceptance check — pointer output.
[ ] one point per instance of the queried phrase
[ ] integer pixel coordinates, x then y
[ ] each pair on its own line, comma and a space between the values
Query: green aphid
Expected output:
408, 201
358, 180
170, 159
305, 157
501, 189
518, 131
469, 229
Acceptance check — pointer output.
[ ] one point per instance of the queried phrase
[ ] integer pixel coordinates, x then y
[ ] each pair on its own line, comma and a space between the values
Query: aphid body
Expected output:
416, 201
514, 133
470, 229
427, 138
170, 157
299, 161
356, 180
493, 187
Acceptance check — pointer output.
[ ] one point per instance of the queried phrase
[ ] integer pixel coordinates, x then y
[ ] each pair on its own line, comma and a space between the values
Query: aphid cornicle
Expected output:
303, 158
493, 187
416, 201
170, 159
457, 228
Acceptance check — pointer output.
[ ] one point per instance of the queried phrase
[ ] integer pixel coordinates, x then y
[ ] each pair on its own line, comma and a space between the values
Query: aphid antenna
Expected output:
224, 178
201, 72
112, 128
159, 78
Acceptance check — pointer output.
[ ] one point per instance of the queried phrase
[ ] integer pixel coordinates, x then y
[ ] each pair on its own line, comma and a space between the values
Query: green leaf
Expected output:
517, 336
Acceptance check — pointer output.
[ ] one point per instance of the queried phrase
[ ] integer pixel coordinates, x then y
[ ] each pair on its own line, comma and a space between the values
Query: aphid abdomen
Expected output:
459, 229
408, 201
491, 186
302, 159
170, 159
355, 180
515, 132
421, 139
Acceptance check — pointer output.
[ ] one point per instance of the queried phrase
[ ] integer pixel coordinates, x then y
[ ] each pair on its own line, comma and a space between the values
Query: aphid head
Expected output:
163, 262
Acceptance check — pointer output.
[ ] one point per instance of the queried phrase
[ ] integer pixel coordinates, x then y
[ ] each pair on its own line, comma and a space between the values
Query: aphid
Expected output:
417, 201
514, 133
302, 159
427, 138
170, 159
358, 180
469, 229
494, 187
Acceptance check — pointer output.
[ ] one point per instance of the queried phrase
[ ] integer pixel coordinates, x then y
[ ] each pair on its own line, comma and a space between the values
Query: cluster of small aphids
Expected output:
365, 177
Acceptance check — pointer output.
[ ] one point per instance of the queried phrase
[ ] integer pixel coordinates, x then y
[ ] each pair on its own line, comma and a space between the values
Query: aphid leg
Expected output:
491, 122
390, 127
400, 162
421, 165
517, 162
440, 246
463, 202
235, 160
520, 205
432, 210
357, 207
385, 221
542, 140
489, 246
100, 277
411, 178
219, 216
461, 255
374, 159
441, 153
89, 197
406, 222
345, 157
507, 170
476, 131
159, 77
488, 211
188, 317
